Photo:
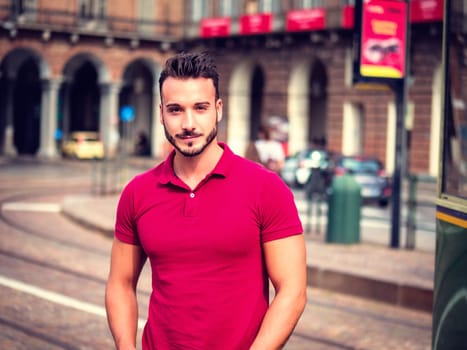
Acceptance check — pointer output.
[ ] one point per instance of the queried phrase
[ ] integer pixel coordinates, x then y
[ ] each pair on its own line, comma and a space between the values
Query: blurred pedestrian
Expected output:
216, 228
142, 147
270, 151
251, 152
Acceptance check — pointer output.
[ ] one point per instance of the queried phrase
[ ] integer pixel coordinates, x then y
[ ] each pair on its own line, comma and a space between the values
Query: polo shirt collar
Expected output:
221, 169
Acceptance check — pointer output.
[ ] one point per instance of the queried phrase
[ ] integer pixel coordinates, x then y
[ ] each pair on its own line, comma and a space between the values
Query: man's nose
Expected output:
188, 120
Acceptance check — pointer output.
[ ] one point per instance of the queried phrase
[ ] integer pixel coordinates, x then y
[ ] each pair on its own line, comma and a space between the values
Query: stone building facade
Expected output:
68, 66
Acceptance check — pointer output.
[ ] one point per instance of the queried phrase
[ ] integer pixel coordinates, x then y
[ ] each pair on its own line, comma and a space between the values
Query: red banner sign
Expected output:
307, 19
256, 24
426, 10
348, 13
214, 27
383, 39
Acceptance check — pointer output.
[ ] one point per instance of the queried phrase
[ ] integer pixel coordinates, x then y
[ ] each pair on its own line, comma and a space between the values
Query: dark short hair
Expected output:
190, 65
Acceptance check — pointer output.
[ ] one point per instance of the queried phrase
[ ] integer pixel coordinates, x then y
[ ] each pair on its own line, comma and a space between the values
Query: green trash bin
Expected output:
344, 210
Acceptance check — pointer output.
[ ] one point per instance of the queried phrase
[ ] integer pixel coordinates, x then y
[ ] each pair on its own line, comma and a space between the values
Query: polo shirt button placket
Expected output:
190, 205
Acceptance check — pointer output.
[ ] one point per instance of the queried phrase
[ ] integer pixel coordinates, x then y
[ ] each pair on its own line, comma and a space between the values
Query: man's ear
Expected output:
161, 117
219, 110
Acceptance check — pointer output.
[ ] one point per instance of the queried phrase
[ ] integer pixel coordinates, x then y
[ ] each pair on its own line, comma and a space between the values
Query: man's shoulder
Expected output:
150, 176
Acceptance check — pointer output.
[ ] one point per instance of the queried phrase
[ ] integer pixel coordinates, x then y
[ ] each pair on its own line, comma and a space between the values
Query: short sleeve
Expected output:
279, 214
125, 226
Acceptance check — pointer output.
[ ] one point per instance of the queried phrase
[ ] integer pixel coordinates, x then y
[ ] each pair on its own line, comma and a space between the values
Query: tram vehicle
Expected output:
450, 285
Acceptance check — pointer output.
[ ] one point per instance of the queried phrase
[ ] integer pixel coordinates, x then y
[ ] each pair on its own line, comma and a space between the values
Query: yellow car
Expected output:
83, 145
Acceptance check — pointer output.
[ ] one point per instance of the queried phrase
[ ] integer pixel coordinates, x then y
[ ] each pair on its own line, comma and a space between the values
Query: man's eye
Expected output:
173, 109
201, 107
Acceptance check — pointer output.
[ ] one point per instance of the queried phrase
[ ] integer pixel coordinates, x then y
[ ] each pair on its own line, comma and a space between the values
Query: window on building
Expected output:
146, 12
311, 3
20, 7
17, 7
258, 6
273, 6
23, 9
199, 9
228, 8
92, 9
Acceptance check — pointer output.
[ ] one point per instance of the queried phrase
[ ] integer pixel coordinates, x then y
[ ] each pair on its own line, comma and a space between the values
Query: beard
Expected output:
190, 151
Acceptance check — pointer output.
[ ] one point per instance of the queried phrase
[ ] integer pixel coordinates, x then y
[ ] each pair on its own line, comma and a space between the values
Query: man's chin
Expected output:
188, 151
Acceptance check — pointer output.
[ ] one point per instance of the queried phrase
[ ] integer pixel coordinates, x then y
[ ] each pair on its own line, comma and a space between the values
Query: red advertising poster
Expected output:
383, 39
256, 24
307, 19
213, 27
426, 10
348, 13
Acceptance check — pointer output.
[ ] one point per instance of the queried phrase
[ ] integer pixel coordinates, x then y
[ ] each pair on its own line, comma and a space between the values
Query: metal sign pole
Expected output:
371, 66
399, 91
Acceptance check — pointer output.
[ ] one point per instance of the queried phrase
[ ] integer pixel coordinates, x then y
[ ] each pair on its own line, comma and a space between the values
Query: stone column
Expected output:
48, 145
8, 141
108, 120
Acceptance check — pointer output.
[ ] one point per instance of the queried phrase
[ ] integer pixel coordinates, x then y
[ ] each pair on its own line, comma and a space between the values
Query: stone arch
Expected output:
83, 78
23, 71
73, 64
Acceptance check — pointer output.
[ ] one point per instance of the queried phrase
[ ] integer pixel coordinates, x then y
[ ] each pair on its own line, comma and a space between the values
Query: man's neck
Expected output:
192, 170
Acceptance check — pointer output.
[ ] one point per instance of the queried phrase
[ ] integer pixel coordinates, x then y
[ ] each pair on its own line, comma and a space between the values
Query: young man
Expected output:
215, 227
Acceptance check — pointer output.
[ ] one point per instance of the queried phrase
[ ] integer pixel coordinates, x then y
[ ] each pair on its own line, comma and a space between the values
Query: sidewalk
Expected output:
397, 276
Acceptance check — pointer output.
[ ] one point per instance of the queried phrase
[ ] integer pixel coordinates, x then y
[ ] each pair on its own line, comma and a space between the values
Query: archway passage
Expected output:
27, 108
256, 102
317, 102
137, 93
84, 99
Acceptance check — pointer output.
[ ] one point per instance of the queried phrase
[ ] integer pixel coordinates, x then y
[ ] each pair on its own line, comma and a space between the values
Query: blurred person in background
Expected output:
142, 147
270, 151
216, 228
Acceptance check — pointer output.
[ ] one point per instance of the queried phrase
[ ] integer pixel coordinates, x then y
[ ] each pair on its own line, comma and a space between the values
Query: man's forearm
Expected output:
279, 321
122, 315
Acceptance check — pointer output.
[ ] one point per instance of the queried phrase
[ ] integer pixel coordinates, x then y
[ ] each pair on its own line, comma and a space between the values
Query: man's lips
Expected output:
188, 136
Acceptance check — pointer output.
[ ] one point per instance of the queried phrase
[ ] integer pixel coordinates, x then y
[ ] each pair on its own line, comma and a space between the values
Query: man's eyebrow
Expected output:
173, 104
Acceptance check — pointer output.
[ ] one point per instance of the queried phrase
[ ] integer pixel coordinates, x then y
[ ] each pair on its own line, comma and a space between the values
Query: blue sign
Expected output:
127, 113
58, 134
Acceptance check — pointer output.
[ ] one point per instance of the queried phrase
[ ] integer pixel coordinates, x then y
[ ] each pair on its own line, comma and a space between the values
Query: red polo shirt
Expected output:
210, 287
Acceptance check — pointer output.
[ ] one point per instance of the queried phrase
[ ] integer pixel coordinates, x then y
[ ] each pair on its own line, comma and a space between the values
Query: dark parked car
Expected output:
370, 174
298, 167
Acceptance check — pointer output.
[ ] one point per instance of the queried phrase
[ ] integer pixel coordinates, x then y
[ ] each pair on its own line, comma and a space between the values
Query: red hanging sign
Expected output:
214, 27
426, 10
256, 24
348, 13
307, 19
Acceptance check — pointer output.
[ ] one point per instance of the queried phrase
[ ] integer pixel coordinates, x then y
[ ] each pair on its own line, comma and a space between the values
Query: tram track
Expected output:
41, 336
54, 274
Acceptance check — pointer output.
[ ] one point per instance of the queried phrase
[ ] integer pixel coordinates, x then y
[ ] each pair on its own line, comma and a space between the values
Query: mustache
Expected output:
188, 133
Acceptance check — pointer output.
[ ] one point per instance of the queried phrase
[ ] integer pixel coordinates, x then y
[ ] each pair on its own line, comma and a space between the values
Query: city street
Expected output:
53, 273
